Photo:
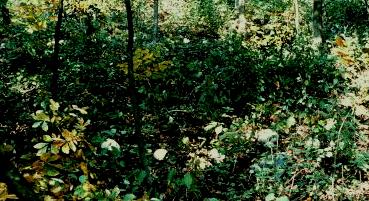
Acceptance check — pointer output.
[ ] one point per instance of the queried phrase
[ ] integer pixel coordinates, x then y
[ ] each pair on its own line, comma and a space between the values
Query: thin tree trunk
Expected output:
5, 12
297, 16
317, 23
56, 63
132, 86
156, 21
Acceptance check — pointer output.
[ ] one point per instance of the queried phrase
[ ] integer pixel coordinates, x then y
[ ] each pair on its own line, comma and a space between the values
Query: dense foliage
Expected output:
227, 100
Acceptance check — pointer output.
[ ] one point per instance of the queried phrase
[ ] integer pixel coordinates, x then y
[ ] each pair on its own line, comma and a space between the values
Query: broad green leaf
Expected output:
52, 172
122, 164
270, 197
41, 151
291, 121
141, 177
36, 124
185, 140
218, 130
159, 154
40, 145
172, 172
82, 179
54, 149
283, 198
129, 197
265, 135
210, 126
81, 110
47, 138
41, 116
44, 126
54, 106
187, 180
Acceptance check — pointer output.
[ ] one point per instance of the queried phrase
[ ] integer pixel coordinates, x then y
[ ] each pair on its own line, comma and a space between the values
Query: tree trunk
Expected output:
156, 21
317, 23
55, 60
132, 87
5, 12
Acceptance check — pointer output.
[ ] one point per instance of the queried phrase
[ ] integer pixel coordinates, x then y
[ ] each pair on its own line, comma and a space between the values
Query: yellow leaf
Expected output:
340, 42
56, 189
84, 169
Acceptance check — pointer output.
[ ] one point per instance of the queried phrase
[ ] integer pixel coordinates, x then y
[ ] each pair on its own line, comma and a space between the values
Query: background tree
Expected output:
317, 23
55, 65
156, 20
139, 138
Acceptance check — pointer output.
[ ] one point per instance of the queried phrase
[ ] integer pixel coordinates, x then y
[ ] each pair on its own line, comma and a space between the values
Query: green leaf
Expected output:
187, 180
40, 145
129, 197
82, 179
81, 110
41, 151
54, 149
36, 124
41, 116
52, 172
218, 130
283, 198
79, 191
291, 121
172, 172
211, 126
44, 126
270, 197
54, 106
141, 176
47, 138
65, 148
122, 164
